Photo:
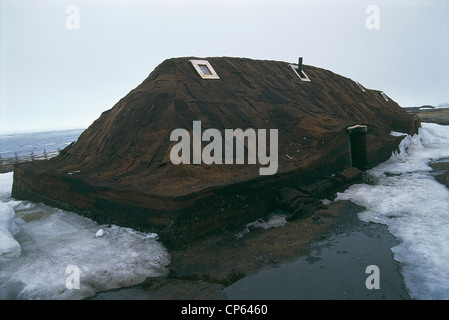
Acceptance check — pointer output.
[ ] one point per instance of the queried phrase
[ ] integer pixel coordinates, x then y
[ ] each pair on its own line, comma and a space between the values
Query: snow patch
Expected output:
402, 194
35, 254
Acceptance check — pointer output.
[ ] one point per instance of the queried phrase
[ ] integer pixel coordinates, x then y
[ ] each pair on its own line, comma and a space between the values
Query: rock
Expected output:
336, 180
319, 189
286, 195
295, 205
350, 174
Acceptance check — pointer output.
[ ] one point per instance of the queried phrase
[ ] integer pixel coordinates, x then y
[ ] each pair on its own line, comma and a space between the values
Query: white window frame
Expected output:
197, 63
384, 95
294, 67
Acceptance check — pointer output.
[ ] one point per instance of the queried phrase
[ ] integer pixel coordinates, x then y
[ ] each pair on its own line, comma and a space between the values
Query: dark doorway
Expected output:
357, 146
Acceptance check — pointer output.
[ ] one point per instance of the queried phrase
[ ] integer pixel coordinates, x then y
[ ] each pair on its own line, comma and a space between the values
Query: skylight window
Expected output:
384, 95
301, 74
204, 69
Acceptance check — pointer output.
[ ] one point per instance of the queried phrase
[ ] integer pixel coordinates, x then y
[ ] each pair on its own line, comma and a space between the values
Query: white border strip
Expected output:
294, 67
360, 86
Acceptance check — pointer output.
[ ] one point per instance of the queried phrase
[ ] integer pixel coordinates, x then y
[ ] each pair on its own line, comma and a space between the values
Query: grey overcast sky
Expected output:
60, 72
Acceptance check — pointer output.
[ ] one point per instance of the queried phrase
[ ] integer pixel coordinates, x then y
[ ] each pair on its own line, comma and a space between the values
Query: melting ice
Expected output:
403, 194
40, 246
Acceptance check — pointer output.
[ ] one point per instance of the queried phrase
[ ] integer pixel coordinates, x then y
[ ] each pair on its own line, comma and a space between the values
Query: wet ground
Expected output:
336, 268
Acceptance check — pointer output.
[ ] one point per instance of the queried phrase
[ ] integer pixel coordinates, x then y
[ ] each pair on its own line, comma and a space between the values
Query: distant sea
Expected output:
36, 143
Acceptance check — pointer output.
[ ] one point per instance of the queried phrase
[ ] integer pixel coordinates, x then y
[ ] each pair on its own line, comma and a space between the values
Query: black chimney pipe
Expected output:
300, 64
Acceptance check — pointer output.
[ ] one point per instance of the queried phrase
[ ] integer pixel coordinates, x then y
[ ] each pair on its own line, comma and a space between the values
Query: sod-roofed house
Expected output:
205, 143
